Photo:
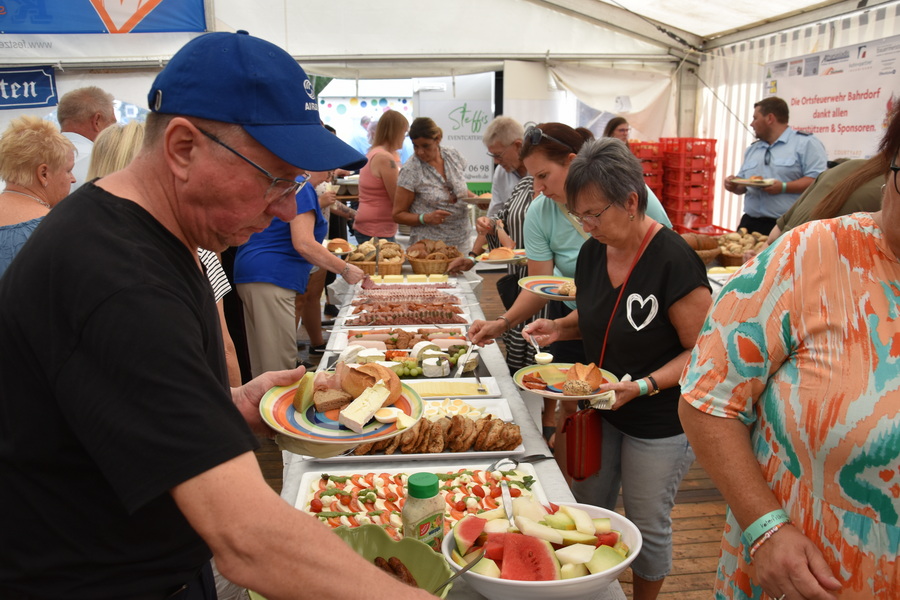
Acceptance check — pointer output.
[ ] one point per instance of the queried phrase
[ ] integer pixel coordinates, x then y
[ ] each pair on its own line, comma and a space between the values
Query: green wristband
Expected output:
762, 525
421, 218
642, 386
784, 187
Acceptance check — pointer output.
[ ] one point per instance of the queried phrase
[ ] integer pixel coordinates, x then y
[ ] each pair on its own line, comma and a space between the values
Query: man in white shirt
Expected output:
82, 114
503, 138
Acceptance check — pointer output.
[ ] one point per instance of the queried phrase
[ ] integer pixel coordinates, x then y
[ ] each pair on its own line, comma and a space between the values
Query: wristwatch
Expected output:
655, 385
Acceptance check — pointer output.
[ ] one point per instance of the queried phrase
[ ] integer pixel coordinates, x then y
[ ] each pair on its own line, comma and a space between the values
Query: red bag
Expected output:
584, 443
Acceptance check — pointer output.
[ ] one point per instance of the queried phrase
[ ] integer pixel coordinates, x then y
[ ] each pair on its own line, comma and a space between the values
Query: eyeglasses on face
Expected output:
279, 187
499, 154
895, 169
534, 135
591, 220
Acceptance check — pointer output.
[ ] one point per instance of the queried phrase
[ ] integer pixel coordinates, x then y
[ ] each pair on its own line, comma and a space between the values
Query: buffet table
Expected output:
549, 476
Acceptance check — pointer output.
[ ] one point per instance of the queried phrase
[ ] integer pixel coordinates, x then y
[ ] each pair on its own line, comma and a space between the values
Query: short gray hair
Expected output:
606, 165
503, 130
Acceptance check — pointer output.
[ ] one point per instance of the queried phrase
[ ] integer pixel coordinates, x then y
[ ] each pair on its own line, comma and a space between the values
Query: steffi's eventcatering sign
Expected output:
843, 96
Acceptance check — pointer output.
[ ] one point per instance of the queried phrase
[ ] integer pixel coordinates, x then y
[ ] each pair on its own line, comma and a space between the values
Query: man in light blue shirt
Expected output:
793, 159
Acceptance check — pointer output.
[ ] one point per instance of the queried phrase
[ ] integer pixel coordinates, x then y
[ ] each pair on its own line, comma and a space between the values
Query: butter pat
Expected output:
393, 278
360, 411
436, 278
405, 421
416, 278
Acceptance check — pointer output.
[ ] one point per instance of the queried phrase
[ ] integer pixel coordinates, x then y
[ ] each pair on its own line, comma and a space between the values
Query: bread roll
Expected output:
354, 381
501, 253
339, 245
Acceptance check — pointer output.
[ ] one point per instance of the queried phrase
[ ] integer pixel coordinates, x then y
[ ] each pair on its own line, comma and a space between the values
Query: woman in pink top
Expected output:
378, 180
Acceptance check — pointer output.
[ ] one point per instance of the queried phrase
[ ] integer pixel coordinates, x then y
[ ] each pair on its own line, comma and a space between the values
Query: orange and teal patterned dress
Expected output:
803, 346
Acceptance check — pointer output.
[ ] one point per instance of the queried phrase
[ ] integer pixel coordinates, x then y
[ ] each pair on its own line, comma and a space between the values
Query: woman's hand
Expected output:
436, 217
484, 332
353, 274
542, 331
460, 264
789, 564
484, 225
327, 199
626, 391
246, 398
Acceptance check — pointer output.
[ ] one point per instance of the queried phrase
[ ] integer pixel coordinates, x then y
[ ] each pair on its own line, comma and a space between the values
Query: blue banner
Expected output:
27, 87
101, 16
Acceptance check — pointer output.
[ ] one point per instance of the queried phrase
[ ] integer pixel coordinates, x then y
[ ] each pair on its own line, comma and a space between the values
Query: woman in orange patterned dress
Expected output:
791, 401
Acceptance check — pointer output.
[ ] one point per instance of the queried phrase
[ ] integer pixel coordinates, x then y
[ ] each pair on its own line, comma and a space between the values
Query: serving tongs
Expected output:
377, 255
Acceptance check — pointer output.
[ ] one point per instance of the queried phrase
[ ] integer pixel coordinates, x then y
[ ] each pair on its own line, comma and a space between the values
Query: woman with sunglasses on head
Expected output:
431, 190
795, 383
272, 268
552, 241
642, 293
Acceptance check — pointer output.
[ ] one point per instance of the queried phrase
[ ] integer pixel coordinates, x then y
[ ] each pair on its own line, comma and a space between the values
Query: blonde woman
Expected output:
114, 148
36, 162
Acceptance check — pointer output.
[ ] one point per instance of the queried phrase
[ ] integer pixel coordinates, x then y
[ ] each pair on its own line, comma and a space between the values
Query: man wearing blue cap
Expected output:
125, 458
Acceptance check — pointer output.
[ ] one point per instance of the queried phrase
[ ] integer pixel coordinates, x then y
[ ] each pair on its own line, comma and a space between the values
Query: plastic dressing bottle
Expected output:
423, 511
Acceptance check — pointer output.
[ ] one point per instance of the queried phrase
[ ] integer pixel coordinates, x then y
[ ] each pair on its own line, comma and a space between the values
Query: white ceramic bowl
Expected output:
588, 587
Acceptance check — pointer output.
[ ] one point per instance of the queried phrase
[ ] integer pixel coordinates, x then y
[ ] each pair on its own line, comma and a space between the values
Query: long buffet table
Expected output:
548, 473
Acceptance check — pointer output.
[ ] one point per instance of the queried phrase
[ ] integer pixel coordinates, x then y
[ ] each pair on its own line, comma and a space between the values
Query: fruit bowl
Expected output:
587, 587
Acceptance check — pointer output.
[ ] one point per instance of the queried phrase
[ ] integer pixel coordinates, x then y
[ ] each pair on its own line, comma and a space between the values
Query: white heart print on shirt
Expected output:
641, 302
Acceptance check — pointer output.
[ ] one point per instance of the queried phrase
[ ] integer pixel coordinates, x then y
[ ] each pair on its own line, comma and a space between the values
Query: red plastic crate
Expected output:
692, 163
689, 146
688, 192
653, 179
657, 191
687, 177
645, 149
651, 166
702, 229
691, 219
686, 204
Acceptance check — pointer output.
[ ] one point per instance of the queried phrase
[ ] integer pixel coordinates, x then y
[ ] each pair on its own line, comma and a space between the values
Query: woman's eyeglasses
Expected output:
534, 134
592, 220
279, 187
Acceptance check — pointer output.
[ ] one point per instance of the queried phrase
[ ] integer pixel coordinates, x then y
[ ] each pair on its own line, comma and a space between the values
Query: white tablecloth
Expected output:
549, 475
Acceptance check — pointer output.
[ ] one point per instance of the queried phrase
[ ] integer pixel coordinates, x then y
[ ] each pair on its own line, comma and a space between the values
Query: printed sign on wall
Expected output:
100, 16
842, 96
27, 87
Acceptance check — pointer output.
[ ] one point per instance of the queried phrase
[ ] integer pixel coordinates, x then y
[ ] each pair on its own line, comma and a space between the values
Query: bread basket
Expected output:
384, 268
707, 256
425, 266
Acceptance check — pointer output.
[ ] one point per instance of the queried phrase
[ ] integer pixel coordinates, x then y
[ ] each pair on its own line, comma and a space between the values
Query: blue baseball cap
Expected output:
240, 79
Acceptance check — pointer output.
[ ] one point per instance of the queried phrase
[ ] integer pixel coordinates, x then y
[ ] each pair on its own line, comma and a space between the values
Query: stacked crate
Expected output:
650, 154
689, 173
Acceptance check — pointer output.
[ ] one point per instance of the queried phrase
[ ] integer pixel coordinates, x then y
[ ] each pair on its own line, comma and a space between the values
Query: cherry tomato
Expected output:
390, 497
495, 491
461, 506
316, 505
345, 499
478, 491
515, 492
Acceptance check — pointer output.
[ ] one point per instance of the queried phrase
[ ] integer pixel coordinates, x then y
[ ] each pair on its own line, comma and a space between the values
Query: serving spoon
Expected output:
471, 564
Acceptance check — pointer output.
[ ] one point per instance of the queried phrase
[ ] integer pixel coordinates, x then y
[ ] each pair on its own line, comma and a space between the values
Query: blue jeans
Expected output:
649, 472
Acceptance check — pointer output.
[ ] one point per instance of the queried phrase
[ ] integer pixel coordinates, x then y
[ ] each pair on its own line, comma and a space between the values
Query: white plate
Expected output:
453, 387
519, 257
498, 407
341, 337
753, 182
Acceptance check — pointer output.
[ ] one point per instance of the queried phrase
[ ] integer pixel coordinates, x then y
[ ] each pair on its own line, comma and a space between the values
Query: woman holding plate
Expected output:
642, 295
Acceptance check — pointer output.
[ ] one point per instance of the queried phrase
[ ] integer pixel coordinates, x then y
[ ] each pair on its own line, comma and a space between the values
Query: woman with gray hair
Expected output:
642, 295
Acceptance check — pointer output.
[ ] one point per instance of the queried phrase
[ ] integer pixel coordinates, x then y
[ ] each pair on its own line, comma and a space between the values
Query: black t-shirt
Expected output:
113, 390
641, 338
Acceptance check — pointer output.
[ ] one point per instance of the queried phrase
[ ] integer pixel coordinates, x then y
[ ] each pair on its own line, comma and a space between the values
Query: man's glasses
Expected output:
279, 187
534, 135
499, 154
895, 169
592, 220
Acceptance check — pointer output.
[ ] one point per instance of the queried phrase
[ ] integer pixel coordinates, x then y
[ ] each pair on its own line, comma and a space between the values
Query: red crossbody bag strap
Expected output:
637, 257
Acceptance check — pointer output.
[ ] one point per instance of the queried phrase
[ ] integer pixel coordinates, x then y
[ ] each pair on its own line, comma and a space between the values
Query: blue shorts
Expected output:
649, 472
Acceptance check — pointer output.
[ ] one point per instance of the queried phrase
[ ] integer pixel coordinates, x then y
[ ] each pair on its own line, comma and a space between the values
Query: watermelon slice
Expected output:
493, 547
526, 558
466, 532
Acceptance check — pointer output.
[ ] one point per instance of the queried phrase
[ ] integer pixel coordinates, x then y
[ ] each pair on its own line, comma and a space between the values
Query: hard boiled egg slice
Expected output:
388, 414
543, 358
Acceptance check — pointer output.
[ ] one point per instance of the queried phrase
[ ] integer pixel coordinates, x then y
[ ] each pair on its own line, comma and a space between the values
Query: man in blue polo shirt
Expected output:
792, 158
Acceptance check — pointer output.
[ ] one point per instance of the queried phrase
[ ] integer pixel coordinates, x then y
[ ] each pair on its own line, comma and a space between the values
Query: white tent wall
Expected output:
731, 81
